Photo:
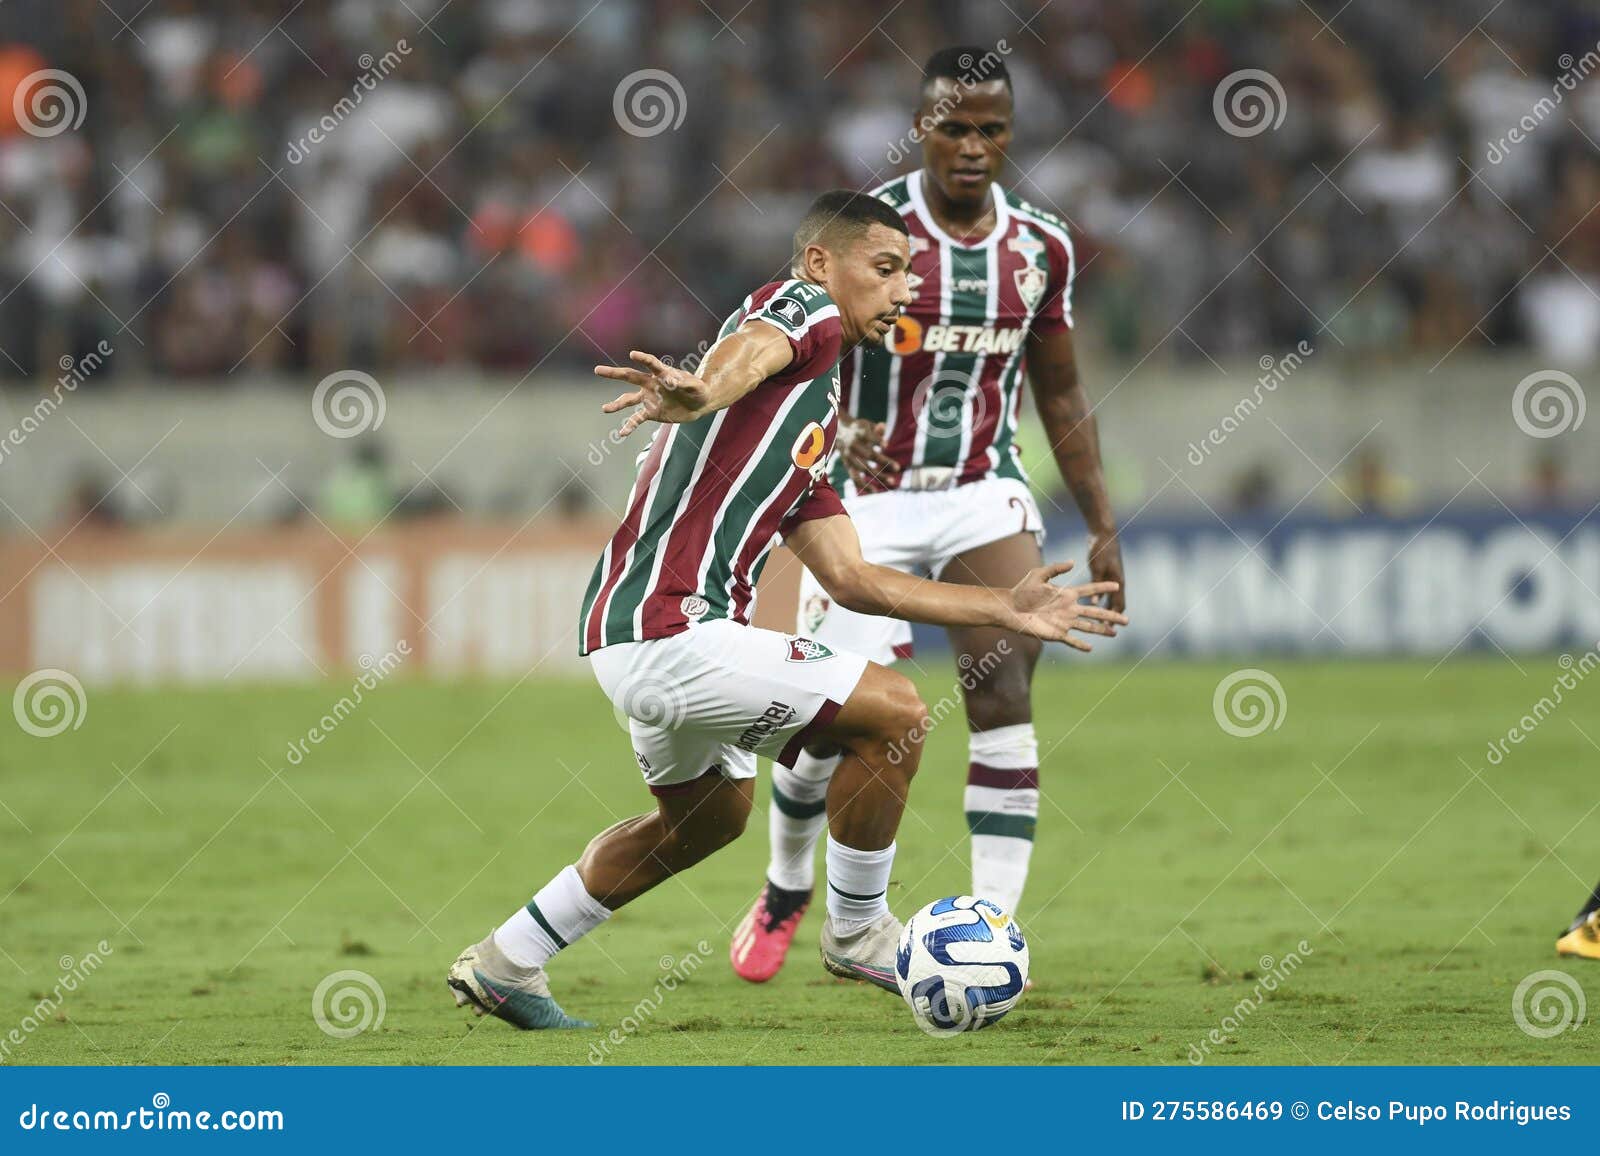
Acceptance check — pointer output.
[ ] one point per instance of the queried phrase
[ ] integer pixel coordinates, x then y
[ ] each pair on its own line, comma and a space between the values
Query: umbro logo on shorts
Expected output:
807, 650
777, 716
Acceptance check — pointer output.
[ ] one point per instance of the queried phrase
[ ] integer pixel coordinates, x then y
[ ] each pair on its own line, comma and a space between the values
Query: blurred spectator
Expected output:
357, 492
1547, 483
260, 191
1370, 486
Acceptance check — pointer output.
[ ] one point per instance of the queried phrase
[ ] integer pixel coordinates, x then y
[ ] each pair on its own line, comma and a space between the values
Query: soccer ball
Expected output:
961, 965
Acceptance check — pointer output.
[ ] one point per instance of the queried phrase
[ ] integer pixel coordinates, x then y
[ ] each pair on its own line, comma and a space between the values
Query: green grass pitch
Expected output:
1172, 857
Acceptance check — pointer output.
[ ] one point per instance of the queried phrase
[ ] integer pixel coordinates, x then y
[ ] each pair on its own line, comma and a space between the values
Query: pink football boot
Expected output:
762, 941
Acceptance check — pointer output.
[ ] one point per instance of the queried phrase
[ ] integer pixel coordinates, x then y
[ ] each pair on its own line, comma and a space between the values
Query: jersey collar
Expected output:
919, 205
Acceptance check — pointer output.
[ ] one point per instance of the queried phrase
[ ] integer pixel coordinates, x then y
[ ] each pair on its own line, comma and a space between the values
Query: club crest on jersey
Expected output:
788, 311
808, 447
814, 611
1031, 282
807, 650
693, 607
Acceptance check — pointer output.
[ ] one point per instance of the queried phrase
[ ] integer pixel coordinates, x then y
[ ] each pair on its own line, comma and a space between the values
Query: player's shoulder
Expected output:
896, 193
792, 300
1032, 214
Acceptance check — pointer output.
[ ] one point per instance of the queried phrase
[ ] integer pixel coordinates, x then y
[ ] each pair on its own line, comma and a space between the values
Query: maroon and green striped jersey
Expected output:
948, 382
713, 496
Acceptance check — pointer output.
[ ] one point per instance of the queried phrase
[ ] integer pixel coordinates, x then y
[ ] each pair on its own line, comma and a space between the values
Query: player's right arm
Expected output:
734, 366
831, 549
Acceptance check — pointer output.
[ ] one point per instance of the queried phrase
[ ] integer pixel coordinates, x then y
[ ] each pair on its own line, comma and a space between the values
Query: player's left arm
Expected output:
1074, 436
831, 550
735, 365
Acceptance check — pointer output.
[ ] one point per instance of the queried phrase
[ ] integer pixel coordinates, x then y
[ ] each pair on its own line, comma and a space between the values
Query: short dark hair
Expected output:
840, 214
967, 65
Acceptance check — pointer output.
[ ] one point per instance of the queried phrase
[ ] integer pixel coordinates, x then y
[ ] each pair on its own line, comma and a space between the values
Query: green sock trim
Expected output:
1010, 826
538, 916
796, 809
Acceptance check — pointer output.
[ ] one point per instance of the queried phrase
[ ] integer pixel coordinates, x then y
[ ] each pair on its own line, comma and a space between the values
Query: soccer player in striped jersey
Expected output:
931, 474
739, 463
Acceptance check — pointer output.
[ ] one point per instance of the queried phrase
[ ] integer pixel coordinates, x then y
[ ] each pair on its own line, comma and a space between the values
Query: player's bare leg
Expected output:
504, 975
870, 751
690, 823
996, 669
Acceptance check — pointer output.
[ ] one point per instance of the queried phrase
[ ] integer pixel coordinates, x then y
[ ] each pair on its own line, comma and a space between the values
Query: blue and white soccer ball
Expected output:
962, 964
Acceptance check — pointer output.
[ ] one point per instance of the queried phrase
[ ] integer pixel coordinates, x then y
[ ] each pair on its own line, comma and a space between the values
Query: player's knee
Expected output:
1002, 699
904, 723
823, 749
730, 820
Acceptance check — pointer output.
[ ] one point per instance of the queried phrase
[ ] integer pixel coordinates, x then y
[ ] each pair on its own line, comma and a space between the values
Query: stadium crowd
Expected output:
261, 189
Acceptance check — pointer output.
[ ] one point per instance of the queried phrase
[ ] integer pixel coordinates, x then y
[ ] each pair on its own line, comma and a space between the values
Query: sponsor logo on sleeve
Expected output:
1025, 243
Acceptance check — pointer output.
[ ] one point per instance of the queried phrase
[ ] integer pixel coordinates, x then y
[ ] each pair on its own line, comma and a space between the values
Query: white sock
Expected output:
558, 916
1002, 805
796, 819
858, 884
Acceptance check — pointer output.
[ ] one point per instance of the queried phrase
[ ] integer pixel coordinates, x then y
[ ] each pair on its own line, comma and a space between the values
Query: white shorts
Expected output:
918, 531
719, 694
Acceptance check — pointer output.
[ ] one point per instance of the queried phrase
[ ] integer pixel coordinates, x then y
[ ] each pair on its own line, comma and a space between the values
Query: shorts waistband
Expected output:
928, 478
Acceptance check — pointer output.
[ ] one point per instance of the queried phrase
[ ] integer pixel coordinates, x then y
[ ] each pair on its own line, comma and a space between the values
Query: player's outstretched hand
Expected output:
860, 446
661, 392
1053, 612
